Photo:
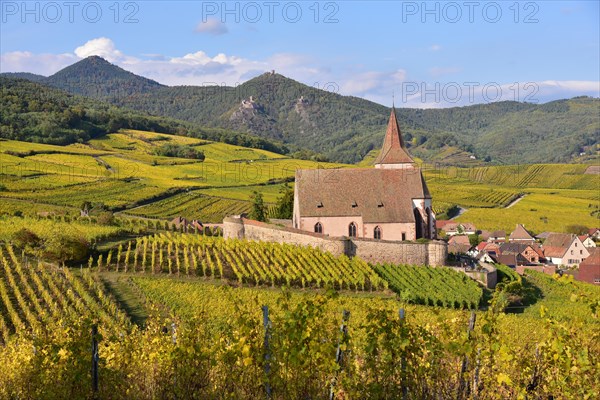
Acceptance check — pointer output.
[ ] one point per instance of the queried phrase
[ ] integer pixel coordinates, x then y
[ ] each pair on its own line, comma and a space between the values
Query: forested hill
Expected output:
37, 113
96, 77
347, 128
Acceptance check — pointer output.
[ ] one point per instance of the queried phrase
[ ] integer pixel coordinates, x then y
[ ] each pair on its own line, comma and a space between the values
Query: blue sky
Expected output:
428, 54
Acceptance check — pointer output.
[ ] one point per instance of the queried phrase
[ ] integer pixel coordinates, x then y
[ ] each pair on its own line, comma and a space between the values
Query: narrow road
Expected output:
461, 211
515, 201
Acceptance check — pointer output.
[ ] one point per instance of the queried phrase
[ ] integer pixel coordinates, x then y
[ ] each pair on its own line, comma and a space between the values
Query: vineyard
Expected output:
112, 192
275, 264
563, 176
431, 286
35, 298
245, 262
122, 171
563, 295
214, 344
193, 206
48, 228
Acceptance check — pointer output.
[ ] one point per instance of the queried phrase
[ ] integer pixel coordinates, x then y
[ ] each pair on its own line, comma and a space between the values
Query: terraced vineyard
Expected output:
47, 228
431, 286
34, 298
246, 262
193, 206
559, 176
112, 192
122, 171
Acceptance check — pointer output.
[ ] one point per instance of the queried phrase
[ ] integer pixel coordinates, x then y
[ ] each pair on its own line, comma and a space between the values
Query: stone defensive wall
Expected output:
371, 250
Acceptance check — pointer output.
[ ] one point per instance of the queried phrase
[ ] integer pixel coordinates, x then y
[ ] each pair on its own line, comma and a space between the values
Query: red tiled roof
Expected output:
376, 194
538, 249
589, 269
459, 239
520, 233
593, 260
557, 244
440, 224
393, 150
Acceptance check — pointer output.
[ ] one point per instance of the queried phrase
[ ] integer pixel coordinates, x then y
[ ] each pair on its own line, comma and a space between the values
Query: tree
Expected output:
106, 218
259, 210
24, 238
577, 229
285, 203
475, 239
61, 247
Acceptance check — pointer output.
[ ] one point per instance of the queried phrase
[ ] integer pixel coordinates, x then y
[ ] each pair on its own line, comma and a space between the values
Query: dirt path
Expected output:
515, 201
461, 211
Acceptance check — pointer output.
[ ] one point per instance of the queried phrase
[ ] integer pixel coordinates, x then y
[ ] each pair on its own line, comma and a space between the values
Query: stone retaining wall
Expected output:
430, 253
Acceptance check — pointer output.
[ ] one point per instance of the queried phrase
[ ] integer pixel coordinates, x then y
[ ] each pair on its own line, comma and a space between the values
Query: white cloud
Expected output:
435, 47
574, 86
43, 64
212, 26
374, 85
103, 47
200, 68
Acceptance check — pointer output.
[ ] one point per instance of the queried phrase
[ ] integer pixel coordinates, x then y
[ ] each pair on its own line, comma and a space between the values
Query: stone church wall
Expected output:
431, 253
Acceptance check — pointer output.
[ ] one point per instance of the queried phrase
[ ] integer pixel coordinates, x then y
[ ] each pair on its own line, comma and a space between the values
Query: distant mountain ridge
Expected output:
347, 128
93, 77
39, 113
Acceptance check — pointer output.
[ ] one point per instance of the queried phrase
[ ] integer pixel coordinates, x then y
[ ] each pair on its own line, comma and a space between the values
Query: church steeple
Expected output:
393, 153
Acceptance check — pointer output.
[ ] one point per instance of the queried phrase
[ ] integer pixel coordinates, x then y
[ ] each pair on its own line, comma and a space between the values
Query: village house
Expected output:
594, 233
589, 269
388, 202
486, 252
497, 236
543, 236
587, 241
564, 249
521, 235
489, 247
512, 260
451, 228
459, 244
527, 251
485, 257
185, 224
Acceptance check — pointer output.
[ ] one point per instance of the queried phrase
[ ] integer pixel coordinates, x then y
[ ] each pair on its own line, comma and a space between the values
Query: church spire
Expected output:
393, 150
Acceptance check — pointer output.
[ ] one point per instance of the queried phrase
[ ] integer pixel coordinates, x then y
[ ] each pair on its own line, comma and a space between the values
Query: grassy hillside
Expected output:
554, 195
38, 113
123, 171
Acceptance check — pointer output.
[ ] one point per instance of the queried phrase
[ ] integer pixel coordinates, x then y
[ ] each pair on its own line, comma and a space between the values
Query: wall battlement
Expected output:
375, 251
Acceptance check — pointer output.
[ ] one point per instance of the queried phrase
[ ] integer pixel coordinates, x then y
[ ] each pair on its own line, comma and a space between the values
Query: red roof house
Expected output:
589, 269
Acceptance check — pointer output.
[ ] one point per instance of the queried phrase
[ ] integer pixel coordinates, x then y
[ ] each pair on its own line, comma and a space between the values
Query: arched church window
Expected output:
352, 229
377, 233
318, 228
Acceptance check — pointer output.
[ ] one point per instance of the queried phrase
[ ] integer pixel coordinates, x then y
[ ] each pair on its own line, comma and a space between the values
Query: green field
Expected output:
122, 171
555, 196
